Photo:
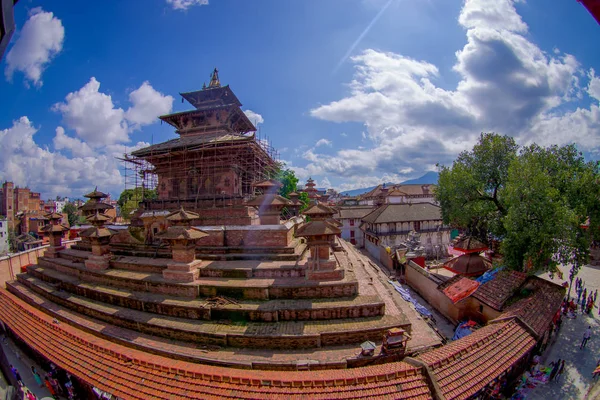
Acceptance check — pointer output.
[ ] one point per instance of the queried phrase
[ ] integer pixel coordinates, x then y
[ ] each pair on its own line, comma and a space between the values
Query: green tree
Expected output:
289, 182
470, 192
304, 200
71, 212
129, 199
535, 201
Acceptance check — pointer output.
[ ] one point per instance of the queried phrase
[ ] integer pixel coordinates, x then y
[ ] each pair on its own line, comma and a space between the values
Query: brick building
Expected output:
397, 194
18, 205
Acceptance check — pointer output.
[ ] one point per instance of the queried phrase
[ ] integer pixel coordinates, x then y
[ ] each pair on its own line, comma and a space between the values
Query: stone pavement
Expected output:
577, 378
377, 276
23, 364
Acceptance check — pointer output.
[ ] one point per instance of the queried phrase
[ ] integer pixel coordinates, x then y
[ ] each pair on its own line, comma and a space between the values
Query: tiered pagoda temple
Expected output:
215, 162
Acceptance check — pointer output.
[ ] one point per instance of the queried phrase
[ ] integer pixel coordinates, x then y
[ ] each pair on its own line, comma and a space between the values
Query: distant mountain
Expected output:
430, 177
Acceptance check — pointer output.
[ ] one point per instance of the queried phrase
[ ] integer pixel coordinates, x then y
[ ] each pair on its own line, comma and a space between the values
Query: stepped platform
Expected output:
249, 288
219, 308
274, 335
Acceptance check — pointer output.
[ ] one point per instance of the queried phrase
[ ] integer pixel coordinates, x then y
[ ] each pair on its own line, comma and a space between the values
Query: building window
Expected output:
481, 308
417, 225
351, 234
351, 222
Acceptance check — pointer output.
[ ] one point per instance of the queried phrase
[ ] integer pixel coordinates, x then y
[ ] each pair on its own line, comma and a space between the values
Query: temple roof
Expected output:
53, 216
96, 232
182, 215
269, 183
497, 291
319, 209
334, 222
192, 143
97, 217
212, 96
470, 244
470, 264
95, 194
181, 233
404, 213
90, 206
54, 228
269, 199
316, 228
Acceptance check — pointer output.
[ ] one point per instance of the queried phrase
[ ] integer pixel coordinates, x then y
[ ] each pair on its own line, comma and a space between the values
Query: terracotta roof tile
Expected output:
495, 292
119, 370
539, 308
465, 366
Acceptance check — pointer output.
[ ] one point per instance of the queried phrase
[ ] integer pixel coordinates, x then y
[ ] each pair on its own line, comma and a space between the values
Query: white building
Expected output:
351, 218
390, 224
60, 204
398, 194
4, 247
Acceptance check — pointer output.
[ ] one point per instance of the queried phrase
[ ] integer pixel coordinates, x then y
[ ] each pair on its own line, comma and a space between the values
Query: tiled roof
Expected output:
314, 228
470, 244
192, 143
353, 212
404, 213
495, 292
539, 308
133, 374
460, 288
464, 367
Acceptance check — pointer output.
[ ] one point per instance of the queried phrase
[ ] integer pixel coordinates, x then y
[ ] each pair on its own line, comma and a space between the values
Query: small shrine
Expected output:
182, 239
269, 207
320, 235
268, 186
95, 203
54, 231
99, 238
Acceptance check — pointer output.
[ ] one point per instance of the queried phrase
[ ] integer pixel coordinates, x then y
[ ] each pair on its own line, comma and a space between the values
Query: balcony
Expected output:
406, 232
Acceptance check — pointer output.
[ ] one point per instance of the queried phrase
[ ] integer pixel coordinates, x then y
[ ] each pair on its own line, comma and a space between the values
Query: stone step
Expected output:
216, 308
74, 255
241, 288
276, 335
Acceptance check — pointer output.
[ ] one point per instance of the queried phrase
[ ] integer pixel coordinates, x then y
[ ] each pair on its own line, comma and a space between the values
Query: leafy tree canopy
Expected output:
534, 199
71, 212
129, 199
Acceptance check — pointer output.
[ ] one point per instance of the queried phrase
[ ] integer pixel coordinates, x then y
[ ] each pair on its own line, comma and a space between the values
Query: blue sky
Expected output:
83, 82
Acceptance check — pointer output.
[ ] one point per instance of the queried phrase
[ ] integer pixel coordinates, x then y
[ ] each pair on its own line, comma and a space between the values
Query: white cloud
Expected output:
40, 40
343, 134
593, 88
323, 142
255, 118
148, 104
25, 163
75, 146
507, 85
185, 4
96, 121
324, 183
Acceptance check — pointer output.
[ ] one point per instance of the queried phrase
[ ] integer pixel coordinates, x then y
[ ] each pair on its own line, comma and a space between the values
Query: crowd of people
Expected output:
586, 299
55, 387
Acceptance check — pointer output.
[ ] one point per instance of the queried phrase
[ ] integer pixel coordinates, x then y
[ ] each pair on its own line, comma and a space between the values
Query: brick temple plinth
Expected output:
321, 265
182, 239
54, 231
99, 238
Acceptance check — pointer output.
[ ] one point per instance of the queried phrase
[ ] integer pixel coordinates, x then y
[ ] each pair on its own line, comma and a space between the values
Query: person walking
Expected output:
50, 388
36, 376
560, 371
16, 374
586, 336
554, 370
595, 295
579, 291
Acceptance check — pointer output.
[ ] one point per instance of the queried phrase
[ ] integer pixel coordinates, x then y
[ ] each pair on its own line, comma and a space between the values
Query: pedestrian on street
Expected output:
579, 291
50, 388
16, 374
560, 370
554, 370
595, 295
586, 336
36, 376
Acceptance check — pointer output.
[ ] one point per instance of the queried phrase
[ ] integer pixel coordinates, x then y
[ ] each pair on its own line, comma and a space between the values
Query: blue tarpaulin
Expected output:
489, 275
406, 296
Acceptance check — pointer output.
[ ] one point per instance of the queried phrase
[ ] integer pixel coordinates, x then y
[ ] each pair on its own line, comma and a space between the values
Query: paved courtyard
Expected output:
577, 378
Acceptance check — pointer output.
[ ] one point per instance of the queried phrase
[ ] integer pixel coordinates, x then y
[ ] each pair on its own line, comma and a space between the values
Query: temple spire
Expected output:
214, 79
